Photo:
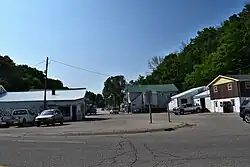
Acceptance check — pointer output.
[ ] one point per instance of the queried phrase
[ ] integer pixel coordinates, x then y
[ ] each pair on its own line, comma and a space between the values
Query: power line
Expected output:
39, 63
79, 68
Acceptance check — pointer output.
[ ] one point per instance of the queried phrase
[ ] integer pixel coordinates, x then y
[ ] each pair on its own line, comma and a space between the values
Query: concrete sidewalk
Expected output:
125, 127
115, 126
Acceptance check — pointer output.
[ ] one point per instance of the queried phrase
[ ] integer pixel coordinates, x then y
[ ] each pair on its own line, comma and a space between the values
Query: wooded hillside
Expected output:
215, 50
23, 78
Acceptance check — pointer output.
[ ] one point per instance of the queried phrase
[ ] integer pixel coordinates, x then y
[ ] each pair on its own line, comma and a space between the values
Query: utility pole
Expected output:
149, 98
45, 83
168, 100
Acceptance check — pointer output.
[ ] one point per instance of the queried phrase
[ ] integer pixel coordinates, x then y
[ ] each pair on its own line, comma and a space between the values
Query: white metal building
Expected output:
70, 102
136, 95
185, 97
203, 99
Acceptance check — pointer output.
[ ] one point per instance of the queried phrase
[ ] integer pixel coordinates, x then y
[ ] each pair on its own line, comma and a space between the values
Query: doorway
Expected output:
203, 103
74, 117
227, 107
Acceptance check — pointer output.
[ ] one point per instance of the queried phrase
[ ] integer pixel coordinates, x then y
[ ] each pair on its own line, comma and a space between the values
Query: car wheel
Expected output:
61, 122
38, 124
198, 110
247, 117
181, 112
53, 122
23, 123
7, 125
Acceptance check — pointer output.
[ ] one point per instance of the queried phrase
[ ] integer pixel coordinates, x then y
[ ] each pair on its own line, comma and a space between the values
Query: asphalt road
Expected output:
217, 140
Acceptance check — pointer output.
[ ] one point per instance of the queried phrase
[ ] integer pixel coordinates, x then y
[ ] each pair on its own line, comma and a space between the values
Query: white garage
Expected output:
203, 99
71, 102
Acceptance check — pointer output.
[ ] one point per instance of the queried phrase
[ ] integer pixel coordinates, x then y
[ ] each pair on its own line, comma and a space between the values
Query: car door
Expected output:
60, 115
31, 116
57, 115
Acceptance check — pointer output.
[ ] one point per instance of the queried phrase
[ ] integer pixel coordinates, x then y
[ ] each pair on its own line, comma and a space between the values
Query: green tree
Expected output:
215, 50
114, 90
26, 77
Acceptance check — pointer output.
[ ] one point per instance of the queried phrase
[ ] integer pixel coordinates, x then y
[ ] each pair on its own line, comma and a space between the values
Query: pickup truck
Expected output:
187, 108
23, 116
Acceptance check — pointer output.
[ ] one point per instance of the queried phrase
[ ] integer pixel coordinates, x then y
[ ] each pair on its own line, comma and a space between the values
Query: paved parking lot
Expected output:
98, 123
217, 140
101, 122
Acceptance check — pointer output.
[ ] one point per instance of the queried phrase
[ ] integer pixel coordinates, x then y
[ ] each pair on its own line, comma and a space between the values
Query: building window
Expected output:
184, 101
215, 89
65, 110
247, 85
229, 86
233, 102
216, 104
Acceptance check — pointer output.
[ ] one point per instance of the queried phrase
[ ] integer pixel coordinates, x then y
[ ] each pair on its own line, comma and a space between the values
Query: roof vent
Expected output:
53, 92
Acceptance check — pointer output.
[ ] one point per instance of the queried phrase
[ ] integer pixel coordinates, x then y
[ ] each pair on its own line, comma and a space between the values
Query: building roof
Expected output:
202, 95
187, 92
60, 95
240, 77
232, 77
153, 88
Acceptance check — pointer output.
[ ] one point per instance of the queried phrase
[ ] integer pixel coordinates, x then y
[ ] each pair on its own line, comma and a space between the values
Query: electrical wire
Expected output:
79, 68
39, 63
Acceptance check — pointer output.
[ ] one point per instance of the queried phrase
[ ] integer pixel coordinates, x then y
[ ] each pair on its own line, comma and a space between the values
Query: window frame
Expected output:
215, 89
229, 86
216, 103
247, 85
186, 101
233, 102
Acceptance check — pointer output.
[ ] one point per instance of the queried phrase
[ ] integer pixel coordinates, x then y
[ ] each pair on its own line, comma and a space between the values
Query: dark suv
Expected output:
245, 110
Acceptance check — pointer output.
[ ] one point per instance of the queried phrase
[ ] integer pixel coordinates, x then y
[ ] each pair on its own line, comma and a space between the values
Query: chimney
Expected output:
53, 92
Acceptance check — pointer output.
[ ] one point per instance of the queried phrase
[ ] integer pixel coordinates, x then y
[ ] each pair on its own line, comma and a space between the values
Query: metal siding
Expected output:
208, 103
223, 91
243, 91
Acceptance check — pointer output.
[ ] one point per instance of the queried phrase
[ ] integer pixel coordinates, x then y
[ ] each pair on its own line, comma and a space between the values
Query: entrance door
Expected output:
215, 106
74, 116
203, 104
227, 107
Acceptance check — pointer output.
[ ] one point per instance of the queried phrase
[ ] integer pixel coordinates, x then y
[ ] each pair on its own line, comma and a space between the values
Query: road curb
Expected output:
182, 125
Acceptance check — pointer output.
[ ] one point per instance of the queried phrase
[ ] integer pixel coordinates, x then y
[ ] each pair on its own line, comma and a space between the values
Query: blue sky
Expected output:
108, 36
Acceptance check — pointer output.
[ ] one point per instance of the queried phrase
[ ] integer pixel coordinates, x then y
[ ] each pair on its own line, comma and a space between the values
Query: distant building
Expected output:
228, 92
137, 99
70, 102
185, 97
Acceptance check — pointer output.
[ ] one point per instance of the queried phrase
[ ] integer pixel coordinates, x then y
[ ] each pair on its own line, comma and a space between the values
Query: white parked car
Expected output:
23, 116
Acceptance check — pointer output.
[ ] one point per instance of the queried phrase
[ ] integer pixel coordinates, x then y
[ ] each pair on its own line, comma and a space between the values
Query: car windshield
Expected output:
115, 108
47, 112
245, 102
19, 112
